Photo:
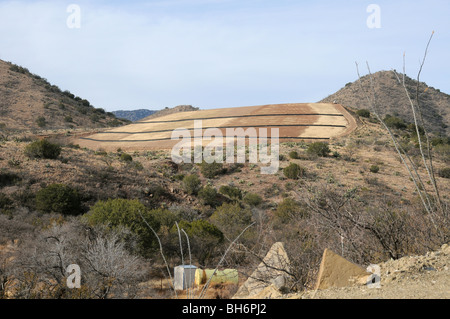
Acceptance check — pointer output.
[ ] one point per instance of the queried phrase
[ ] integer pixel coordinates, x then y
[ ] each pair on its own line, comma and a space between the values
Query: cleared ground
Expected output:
297, 121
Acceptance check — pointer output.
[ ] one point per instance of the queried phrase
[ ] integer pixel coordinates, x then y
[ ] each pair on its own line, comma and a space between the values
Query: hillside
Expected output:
154, 180
391, 99
134, 115
30, 102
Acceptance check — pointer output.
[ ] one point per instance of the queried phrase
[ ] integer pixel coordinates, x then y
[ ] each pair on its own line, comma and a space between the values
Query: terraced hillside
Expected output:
307, 121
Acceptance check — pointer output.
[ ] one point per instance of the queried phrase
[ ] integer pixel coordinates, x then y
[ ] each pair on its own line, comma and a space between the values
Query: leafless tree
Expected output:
432, 202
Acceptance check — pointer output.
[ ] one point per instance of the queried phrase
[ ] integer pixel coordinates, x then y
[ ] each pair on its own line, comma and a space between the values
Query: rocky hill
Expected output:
134, 115
30, 102
391, 99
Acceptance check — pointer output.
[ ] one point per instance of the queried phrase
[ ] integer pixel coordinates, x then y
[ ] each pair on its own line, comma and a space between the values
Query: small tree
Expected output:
252, 199
208, 195
126, 157
287, 210
211, 170
125, 213
293, 171
363, 113
232, 192
42, 149
41, 121
58, 198
204, 238
191, 184
293, 154
320, 149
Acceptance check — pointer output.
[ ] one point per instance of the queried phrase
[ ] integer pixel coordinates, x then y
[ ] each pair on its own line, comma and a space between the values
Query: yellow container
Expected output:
221, 276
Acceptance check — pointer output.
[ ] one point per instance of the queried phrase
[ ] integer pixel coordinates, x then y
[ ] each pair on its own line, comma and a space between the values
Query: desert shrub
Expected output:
58, 198
68, 119
191, 184
158, 192
211, 170
126, 213
293, 154
444, 172
42, 149
363, 113
293, 171
319, 149
231, 191
94, 117
443, 150
41, 121
394, 122
208, 196
231, 219
252, 199
204, 238
164, 219
374, 168
8, 178
5, 201
438, 140
287, 210
126, 157
114, 123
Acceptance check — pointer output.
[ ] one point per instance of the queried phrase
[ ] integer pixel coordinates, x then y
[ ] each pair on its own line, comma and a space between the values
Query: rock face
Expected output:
269, 276
336, 271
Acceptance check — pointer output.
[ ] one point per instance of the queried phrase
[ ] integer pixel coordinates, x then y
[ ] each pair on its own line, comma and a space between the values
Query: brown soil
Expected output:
155, 133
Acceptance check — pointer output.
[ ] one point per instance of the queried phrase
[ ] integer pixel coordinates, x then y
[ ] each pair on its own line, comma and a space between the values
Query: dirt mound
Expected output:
295, 121
412, 277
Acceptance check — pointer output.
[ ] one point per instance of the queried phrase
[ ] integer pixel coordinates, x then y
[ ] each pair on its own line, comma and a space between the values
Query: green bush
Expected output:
208, 196
320, 149
444, 172
5, 201
205, 239
374, 168
293, 171
293, 154
58, 198
211, 170
231, 219
126, 157
41, 121
287, 210
232, 192
126, 213
252, 199
191, 184
363, 113
8, 178
394, 122
42, 149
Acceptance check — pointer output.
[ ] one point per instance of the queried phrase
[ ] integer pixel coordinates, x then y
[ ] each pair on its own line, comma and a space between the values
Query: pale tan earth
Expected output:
412, 277
335, 121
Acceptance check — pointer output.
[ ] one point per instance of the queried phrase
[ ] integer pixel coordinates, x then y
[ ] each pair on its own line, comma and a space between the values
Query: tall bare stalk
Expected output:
425, 197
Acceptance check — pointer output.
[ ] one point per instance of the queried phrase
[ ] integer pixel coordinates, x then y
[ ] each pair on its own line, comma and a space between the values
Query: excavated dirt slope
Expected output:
295, 121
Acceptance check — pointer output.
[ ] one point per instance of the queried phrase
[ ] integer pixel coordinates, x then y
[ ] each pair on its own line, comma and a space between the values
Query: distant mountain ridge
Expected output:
133, 115
392, 99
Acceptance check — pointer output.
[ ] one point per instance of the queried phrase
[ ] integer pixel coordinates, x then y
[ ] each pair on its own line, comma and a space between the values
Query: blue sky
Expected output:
220, 53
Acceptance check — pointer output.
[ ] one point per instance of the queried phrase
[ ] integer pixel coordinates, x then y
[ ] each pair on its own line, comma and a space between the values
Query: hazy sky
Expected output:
220, 53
